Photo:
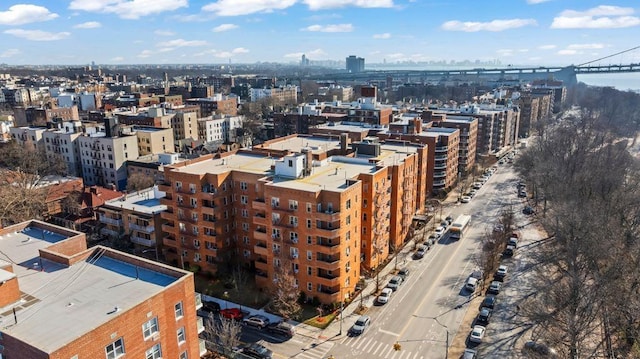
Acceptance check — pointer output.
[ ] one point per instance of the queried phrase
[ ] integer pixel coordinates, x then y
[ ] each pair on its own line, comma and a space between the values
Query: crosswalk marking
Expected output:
377, 348
317, 352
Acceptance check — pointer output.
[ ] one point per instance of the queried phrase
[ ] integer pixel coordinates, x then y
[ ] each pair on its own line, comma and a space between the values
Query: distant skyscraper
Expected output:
355, 64
304, 61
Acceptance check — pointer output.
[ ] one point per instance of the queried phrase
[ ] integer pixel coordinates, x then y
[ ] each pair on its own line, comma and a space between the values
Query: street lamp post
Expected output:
446, 348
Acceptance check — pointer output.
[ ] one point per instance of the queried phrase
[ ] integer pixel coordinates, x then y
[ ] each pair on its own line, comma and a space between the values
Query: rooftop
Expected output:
245, 162
146, 201
61, 303
297, 143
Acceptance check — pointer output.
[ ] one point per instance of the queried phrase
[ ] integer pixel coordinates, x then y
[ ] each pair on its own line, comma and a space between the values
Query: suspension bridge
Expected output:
567, 74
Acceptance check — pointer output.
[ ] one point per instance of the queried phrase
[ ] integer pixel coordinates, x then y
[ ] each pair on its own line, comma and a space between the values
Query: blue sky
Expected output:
527, 32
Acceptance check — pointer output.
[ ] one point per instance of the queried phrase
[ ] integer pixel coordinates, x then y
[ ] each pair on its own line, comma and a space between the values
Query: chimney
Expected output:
308, 162
344, 143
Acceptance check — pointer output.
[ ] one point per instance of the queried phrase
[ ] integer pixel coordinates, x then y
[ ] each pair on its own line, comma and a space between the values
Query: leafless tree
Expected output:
223, 331
285, 291
139, 181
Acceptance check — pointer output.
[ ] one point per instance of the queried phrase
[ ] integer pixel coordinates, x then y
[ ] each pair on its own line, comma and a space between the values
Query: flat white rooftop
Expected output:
296, 144
244, 162
60, 304
146, 201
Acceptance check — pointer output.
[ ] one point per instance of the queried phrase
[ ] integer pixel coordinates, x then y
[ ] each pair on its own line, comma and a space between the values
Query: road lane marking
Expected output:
370, 341
395, 352
377, 348
360, 342
388, 332
415, 356
386, 348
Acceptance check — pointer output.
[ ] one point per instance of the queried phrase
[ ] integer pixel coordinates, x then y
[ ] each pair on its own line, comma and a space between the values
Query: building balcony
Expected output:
326, 248
439, 174
143, 241
328, 262
328, 232
208, 210
169, 241
203, 346
442, 149
440, 166
328, 215
168, 227
164, 187
260, 219
200, 323
198, 301
259, 204
441, 158
332, 290
439, 183
260, 235
167, 201
109, 232
109, 220
145, 229
328, 280
261, 264
168, 215
261, 249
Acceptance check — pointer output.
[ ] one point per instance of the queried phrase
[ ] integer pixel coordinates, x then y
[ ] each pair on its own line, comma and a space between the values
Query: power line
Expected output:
606, 57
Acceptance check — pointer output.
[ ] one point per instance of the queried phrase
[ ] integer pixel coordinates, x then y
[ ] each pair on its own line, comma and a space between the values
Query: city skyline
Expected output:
526, 32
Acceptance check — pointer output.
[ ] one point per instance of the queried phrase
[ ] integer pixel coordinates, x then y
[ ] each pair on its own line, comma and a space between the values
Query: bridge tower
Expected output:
567, 75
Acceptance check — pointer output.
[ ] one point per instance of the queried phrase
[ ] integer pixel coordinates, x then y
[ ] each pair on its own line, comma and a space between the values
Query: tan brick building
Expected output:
67, 301
297, 201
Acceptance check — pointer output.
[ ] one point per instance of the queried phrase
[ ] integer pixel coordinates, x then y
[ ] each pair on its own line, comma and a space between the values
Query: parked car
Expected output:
494, 287
477, 333
444, 223
488, 302
522, 193
256, 350
360, 325
501, 272
440, 231
394, 283
465, 199
471, 284
419, 254
449, 219
510, 251
404, 273
232, 313
483, 316
513, 242
476, 185
431, 240
470, 354
282, 328
528, 210
384, 296
258, 321
539, 350
213, 307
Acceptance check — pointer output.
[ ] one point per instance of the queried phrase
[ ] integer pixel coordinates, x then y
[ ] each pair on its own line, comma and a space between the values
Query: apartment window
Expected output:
150, 328
309, 255
348, 204
244, 199
183, 355
364, 217
309, 240
293, 221
178, 310
245, 226
245, 213
154, 353
309, 270
243, 186
348, 219
245, 240
181, 336
293, 236
309, 206
308, 223
293, 205
309, 286
275, 202
115, 349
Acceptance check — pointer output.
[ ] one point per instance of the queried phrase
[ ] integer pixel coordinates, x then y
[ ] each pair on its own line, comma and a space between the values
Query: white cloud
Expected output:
145, 53
128, 9
164, 33
567, 52
599, 17
536, 1
88, 25
546, 47
505, 52
37, 35
315, 54
225, 27
227, 54
329, 28
585, 46
117, 59
495, 25
173, 44
331, 4
25, 13
10, 53
246, 7
386, 35
239, 50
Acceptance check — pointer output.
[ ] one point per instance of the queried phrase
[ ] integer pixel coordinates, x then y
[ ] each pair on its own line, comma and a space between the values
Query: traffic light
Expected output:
397, 346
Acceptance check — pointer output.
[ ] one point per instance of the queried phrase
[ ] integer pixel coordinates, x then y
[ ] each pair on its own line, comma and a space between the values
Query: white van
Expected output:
471, 284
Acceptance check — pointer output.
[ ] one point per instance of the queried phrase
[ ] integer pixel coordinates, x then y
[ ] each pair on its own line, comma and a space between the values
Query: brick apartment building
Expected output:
365, 110
295, 201
62, 300
217, 104
468, 127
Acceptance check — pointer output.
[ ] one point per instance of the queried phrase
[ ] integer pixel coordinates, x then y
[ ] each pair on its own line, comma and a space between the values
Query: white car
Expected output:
384, 296
440, 231
477, 334
259, 321
502, 271
465, 199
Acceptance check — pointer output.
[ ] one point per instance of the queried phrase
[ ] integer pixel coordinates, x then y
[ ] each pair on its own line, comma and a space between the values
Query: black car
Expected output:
258, 351
449, 219
528, 210
484, 316
403, 273
488, 302
212, 307
282, 328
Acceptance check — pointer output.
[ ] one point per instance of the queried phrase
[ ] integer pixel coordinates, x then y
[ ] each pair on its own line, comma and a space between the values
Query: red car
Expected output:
232, 313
